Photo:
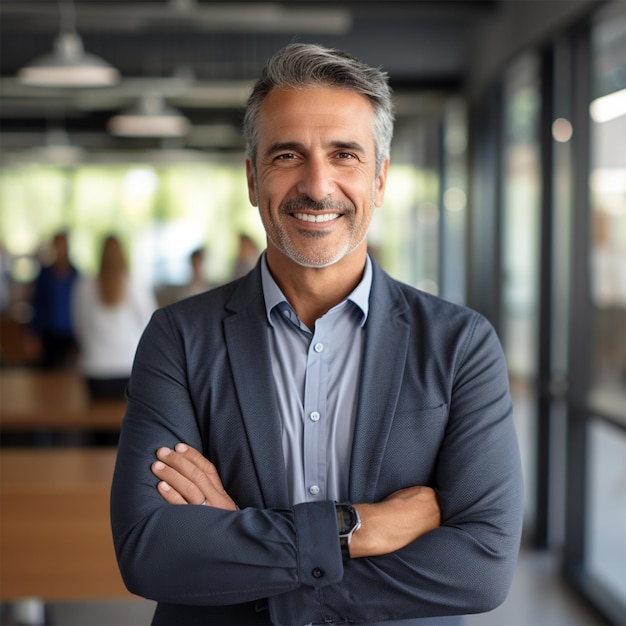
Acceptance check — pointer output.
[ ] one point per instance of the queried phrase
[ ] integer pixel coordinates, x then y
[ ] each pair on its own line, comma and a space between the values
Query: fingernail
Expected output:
159, 466
181, 447
164, 486
163, 451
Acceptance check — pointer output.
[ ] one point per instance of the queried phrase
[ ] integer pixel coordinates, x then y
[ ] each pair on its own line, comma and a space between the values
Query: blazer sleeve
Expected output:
199, 554
467, 565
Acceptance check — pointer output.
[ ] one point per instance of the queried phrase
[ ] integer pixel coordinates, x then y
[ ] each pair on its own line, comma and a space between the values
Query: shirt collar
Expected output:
274, 296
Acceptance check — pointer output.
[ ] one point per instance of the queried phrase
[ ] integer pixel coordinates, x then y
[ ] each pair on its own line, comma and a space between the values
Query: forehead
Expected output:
326, 110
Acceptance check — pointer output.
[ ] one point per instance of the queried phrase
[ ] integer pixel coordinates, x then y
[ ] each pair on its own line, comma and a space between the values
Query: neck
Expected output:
314, 291
61, 267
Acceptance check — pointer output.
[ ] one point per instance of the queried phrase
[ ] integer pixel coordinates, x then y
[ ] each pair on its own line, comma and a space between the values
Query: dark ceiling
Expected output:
202, 56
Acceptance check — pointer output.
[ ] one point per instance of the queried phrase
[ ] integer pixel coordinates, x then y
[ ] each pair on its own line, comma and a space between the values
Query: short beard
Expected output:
346, 209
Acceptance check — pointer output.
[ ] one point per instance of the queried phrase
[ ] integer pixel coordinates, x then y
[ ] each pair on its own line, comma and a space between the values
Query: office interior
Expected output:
506, 193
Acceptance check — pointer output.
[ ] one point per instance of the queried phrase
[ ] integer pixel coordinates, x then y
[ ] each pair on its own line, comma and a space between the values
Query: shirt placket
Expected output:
315, 414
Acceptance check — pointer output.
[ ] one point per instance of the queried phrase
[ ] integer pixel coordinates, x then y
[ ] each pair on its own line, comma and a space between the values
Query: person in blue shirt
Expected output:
316, 442
51, 325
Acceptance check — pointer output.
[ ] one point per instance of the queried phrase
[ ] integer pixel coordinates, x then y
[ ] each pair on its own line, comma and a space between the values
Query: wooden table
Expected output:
55, 535
53, 400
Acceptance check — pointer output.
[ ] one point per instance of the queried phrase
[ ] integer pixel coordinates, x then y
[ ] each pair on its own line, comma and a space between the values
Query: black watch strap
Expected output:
345, 548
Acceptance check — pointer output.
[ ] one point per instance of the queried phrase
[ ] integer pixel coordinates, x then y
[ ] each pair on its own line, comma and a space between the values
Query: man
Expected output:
50, 339
313, 392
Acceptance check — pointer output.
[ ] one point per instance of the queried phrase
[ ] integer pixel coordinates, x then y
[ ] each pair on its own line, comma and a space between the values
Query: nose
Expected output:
316, 179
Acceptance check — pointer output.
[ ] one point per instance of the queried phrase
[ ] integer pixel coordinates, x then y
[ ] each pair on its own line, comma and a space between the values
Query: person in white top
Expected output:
110, 313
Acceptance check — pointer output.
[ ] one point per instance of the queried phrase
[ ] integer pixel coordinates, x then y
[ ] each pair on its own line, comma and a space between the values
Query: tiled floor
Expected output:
537, 598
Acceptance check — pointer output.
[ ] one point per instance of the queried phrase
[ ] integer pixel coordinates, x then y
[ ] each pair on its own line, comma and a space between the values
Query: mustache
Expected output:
305, 202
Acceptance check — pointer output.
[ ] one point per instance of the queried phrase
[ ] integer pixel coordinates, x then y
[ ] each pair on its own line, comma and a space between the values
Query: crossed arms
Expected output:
186, 477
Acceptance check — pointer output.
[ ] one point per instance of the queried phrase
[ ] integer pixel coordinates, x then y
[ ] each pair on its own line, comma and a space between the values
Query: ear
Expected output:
380, 184
251, 185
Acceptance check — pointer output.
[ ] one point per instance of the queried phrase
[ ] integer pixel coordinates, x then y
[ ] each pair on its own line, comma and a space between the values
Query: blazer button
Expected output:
317, 572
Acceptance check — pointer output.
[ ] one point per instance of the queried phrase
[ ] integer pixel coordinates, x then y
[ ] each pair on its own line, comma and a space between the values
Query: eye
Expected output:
287, 156
346, 155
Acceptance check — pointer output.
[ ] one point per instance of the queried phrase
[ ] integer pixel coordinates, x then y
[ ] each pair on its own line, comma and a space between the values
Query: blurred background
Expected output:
507, 193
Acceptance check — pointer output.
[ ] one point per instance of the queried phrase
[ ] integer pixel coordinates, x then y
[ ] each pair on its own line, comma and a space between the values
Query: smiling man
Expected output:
316, 442
316, 183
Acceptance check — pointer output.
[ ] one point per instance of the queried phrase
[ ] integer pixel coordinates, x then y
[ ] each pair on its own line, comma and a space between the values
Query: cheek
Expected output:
271, 188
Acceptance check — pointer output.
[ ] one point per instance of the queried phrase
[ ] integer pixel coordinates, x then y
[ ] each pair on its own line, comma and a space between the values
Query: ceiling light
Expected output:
57, 149
68, 66
151, 118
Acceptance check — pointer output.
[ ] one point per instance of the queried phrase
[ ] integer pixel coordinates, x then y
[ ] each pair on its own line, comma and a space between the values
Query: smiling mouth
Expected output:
318, 219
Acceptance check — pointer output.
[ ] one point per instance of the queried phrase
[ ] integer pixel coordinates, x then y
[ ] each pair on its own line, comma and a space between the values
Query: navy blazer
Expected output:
433, 409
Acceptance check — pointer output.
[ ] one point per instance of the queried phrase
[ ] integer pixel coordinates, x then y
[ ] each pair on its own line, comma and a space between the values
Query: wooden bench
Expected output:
53, 400
55, 535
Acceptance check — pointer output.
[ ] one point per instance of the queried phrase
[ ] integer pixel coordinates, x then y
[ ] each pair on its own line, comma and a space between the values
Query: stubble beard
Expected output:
279, 237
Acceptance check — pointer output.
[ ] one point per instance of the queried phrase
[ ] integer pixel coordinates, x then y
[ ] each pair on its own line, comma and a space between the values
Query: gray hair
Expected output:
301, 65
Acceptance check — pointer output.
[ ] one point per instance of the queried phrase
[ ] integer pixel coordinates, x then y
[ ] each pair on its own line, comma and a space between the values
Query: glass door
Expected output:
595, 548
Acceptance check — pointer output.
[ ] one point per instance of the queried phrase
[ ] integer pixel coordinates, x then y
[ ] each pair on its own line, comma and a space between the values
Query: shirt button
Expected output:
314, 490
315, 416
318, 347
317, 572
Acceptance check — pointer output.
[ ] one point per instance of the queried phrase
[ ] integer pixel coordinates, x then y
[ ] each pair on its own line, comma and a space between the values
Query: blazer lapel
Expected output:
386, 345
247, 344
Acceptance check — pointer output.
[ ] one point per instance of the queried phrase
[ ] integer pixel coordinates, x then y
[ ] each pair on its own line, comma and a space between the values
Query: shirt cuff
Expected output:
317, 538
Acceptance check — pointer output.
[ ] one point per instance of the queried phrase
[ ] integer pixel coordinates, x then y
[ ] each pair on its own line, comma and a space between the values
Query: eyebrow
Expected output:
284, 146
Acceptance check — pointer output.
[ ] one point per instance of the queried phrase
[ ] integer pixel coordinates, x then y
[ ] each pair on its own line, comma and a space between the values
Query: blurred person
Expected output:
110, 312
332, 446
50, 338
197, 283
247, 255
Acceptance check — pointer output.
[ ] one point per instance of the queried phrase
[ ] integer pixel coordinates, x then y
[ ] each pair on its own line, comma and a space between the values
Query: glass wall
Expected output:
560, 212
521, 204
608, 210
605, 538
406, 232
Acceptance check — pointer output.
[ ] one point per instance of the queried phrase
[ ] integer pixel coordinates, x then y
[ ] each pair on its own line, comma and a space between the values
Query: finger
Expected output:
185, 489
193, 476
171, 496
195, 468
205, 466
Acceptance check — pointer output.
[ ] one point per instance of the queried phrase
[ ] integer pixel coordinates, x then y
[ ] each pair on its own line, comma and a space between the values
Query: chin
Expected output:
319, 261
308, 259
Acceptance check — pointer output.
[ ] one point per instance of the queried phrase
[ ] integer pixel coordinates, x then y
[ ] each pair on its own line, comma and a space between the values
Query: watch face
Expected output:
346, 518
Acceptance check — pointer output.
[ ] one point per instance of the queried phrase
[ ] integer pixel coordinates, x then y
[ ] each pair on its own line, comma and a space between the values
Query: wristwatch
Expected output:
348, 522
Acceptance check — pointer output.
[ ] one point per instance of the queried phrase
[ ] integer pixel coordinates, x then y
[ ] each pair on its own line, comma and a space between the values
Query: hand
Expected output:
186, 477
395, 522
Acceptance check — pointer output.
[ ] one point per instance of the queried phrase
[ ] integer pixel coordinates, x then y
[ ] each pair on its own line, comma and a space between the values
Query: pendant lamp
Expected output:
68, 65
151, 118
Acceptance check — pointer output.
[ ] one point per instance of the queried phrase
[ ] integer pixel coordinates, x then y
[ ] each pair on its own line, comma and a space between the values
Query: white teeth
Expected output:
324, 217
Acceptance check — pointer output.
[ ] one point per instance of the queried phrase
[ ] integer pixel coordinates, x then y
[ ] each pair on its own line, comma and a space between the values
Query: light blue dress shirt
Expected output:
316, 372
